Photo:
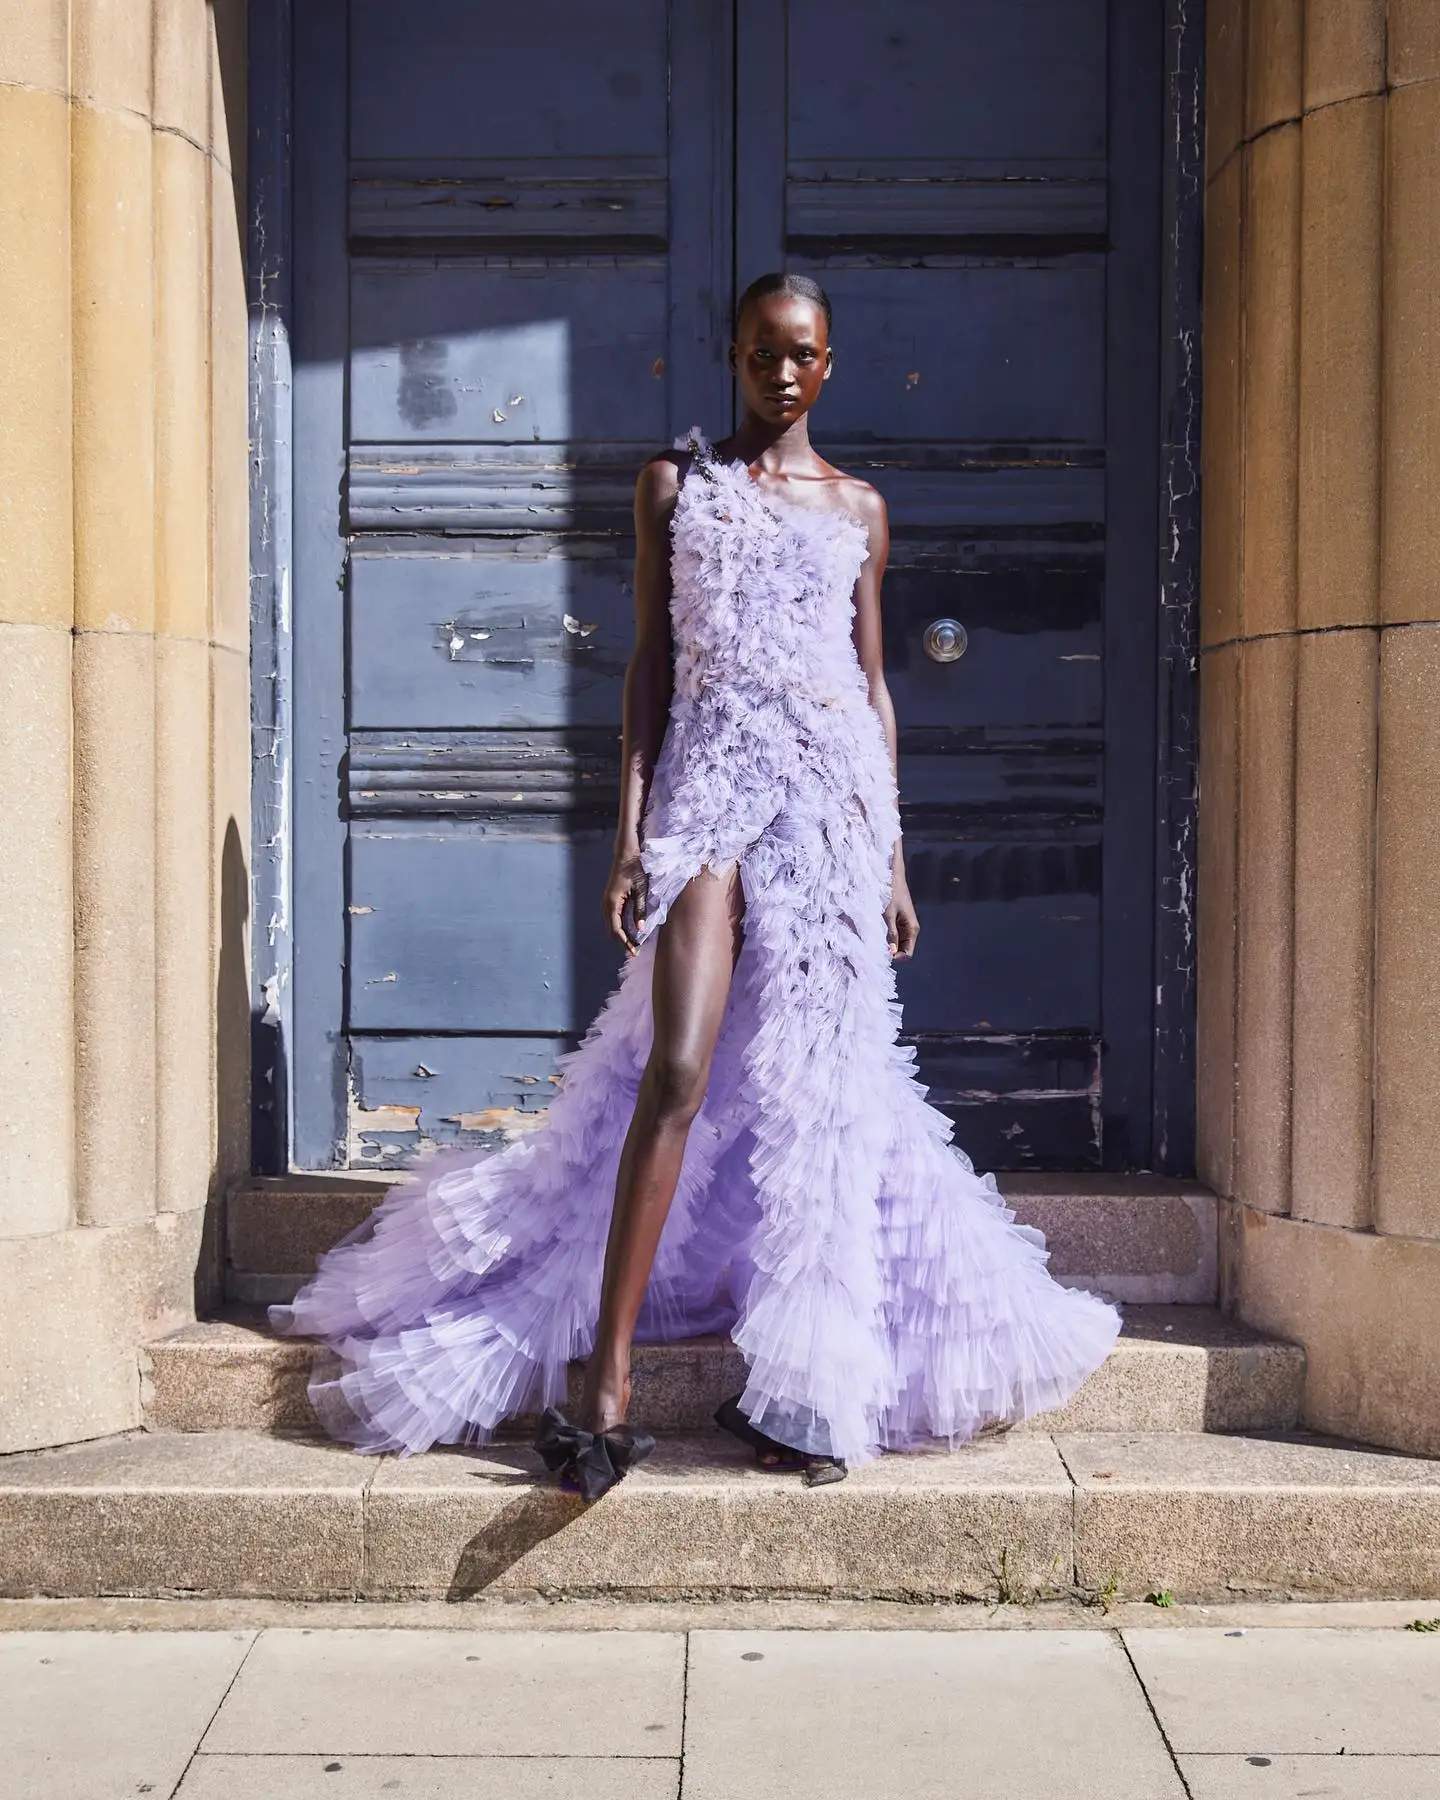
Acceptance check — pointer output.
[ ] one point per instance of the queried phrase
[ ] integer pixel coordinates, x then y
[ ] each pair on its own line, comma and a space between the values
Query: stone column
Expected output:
123, 687
1320, 757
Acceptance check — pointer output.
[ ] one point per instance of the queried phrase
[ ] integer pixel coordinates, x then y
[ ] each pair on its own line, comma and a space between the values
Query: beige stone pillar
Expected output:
123, 711
1320, 782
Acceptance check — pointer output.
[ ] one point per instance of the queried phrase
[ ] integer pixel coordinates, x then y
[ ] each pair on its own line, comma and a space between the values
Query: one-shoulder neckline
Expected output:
738, 469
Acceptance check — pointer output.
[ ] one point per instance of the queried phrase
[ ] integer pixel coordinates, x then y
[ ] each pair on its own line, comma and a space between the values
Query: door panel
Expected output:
524, 230
948, 79
566, 351
941, 169
448, 78
459, 635
1014, 355
474, 932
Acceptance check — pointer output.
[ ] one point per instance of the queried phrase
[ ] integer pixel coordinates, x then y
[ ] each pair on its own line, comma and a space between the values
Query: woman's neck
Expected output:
777, 449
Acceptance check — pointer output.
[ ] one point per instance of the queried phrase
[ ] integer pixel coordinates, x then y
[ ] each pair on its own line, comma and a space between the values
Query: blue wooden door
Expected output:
519, 231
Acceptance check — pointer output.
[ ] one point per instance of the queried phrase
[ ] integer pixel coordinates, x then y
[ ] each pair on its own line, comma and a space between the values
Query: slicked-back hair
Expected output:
799, 287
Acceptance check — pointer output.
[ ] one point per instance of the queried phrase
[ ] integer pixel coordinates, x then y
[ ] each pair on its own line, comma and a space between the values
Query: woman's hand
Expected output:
902, 928
624, 900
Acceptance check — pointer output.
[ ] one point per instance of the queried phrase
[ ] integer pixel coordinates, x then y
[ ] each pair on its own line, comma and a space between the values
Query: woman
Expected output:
774, 1167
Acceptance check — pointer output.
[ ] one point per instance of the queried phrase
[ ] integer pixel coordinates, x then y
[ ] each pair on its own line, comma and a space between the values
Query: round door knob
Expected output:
946, 640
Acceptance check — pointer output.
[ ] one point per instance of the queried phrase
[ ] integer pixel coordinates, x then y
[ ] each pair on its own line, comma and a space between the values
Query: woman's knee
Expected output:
677, 1079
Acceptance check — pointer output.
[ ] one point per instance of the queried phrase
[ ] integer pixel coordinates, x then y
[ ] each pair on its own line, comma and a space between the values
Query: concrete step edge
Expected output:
1206, 1518
1176, 1369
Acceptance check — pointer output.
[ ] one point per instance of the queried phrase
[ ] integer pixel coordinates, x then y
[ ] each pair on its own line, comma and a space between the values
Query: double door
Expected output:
518, 235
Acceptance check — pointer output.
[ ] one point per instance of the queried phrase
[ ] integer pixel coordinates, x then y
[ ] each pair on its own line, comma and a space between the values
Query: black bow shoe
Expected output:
589, 1463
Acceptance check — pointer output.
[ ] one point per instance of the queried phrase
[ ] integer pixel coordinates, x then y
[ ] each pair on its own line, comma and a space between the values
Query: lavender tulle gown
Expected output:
877, 1287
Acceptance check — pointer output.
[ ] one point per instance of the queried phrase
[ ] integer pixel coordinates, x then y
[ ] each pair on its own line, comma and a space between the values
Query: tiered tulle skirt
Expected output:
879, 1290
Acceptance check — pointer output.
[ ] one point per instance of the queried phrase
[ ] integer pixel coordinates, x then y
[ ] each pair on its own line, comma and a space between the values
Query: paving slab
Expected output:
1311, 1777
107, 1715
875, 1716
1215, 1517
701, 1518
430, 1778
439, 1693
1278, 1692
228, 1513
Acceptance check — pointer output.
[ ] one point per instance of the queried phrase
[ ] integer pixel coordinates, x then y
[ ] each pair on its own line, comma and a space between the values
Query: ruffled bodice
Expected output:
769, 695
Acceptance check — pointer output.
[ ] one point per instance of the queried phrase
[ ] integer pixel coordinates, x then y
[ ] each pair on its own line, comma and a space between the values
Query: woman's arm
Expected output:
902, 926
648, 679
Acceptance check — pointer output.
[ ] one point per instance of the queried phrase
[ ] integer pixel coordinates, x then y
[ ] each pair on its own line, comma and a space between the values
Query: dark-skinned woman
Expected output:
739, 1143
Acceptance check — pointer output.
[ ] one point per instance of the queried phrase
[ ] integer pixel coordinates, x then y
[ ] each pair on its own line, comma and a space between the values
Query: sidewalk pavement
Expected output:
1173, 1711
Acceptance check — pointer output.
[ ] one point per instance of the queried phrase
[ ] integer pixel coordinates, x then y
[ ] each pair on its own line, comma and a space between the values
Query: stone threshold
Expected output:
1137, 1239
1108, 1516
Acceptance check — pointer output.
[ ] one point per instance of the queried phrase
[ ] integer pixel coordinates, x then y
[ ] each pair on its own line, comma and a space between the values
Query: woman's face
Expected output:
781, 356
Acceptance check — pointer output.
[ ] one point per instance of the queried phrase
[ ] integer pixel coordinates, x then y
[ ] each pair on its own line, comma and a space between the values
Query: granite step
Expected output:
1025, 1518
1140, 1239
1176, 1368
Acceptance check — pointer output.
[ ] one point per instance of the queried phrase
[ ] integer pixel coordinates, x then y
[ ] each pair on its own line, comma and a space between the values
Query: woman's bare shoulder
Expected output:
861, 501
659, 480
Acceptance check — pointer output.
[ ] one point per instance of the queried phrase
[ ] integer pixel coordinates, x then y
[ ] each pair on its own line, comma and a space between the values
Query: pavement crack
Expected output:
684, 1712
1074, 1514
255, 1637
363, 1585
1159, 1725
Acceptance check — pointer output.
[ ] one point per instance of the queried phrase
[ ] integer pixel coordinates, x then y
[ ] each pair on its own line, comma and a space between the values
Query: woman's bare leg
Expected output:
695, 953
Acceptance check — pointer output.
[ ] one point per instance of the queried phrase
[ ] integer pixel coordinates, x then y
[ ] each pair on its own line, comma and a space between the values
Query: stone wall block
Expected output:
152, 1266
182, 69
1215, 894
114, 381
1221, 450
69, 1368
36, 547
184, 995
230, 425
1344, 50
230, 893
1340, 364
1414, 40
1335, 741
1224, 81
229, 60
35, 43
1275, 31
114, 710
37, 1045
1270, 382
182, 390
1364, 1308
111, 53
1407, 980
1265, 910
1410, 577
77, 1306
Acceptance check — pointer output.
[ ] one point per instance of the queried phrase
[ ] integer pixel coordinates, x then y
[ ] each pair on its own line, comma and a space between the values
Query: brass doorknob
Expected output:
946, 640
